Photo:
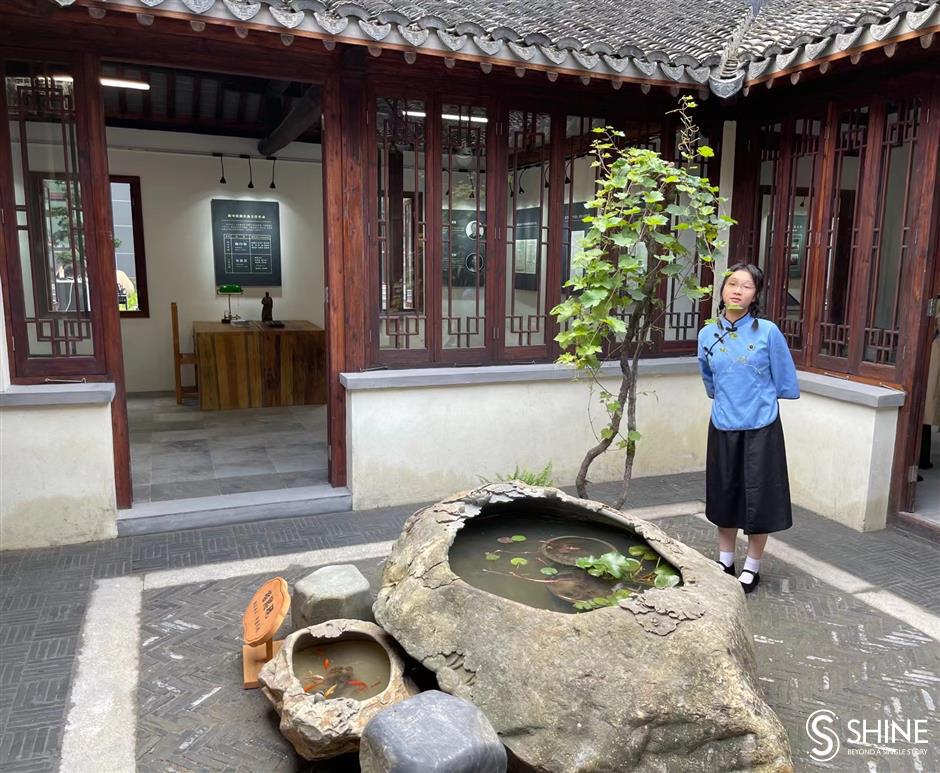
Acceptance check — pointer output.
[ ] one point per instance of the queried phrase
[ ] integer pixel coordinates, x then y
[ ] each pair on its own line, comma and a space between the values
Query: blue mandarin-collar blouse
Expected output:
745, 371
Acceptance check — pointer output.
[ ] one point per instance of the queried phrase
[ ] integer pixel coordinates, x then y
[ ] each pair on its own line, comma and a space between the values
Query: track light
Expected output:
272, 186
222, 165
251, 179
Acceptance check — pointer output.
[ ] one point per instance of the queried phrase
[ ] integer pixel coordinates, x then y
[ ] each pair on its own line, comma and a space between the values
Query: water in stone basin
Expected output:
348, 668
533, 559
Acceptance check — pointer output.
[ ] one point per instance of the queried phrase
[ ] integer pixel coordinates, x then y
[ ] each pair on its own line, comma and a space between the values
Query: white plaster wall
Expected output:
839, 456
176, 191
419, 444
56, 475
411, 445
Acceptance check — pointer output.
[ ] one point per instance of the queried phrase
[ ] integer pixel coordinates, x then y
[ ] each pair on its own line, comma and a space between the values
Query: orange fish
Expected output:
326, 663
357, 683
329, 691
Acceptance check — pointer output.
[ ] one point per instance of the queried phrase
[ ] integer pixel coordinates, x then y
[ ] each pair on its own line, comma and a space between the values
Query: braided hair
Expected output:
757, 276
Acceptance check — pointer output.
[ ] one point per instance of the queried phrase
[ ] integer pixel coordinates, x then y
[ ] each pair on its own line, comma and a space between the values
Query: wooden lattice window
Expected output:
526, 317
841, 236
401, 236
893, 232
49, 240
801, 168
463, 227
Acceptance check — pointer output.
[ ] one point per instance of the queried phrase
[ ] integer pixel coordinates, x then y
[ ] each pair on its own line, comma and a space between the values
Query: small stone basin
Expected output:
351, 670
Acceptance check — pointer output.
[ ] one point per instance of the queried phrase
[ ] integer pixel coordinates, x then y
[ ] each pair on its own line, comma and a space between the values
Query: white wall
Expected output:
840, 456
56, 475
176, 191
424, 443
412, 445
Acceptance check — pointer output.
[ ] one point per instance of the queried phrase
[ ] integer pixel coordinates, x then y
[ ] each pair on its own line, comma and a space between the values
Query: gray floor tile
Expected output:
304, 478
171, 447
239, 485
296, 463
247, 455
259, 466
184, 489
141, 493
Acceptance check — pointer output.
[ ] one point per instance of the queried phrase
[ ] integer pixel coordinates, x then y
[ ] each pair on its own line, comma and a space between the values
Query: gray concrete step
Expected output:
198, 512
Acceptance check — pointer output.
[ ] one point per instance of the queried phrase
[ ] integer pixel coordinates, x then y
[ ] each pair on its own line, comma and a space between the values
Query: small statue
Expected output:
267, 307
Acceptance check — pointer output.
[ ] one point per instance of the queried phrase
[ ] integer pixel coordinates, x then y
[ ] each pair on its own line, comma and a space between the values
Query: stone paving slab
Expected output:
817, 648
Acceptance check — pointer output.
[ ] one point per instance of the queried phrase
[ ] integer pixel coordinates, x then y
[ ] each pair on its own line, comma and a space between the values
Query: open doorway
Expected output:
217, 206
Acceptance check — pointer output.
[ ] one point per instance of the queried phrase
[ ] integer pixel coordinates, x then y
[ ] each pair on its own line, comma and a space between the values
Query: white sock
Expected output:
726, 557
751, 565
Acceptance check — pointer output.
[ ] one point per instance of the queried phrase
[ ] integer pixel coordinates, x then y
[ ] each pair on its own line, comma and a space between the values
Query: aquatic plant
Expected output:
617, 566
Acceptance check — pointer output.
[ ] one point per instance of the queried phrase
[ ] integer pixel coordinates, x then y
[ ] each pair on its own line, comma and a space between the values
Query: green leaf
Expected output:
548, 571
655, 220
706, 152
634, 435
518, 538
637, 550
519, 561
492, 556
666, 581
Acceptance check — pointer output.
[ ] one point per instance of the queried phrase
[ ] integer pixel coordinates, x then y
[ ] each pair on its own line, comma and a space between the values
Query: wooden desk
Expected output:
254, 366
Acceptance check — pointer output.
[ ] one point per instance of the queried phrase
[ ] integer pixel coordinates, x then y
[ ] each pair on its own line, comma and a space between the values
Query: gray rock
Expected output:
318, 727
331, 593
430, 733
666, 681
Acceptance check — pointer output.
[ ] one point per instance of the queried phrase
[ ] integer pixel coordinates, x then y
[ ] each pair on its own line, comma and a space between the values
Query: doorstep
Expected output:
226, 509
923, 525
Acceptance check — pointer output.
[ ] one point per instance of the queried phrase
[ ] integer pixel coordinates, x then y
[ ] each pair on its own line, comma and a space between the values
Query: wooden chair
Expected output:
181, 358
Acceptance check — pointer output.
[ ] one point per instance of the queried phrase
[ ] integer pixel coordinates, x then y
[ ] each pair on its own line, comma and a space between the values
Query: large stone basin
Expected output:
663, 682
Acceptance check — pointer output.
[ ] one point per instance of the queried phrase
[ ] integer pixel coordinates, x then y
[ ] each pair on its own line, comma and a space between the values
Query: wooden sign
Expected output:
264, 615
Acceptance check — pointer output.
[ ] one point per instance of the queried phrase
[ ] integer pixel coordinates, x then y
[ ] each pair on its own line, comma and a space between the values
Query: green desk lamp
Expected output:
229, 291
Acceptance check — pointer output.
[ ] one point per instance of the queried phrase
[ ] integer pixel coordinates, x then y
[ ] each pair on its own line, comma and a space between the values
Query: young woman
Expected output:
746, 367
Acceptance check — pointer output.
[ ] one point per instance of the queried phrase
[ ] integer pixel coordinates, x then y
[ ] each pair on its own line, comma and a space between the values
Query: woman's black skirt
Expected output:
746, 482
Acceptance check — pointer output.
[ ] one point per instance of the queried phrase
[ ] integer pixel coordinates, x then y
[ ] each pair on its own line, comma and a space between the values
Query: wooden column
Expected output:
91, 112
345, 132
922, 275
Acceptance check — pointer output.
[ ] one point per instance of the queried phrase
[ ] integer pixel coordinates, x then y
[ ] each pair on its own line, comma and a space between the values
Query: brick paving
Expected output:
817, 647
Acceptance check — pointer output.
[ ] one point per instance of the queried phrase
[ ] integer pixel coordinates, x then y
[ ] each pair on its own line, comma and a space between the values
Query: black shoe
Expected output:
728, 569
748, 587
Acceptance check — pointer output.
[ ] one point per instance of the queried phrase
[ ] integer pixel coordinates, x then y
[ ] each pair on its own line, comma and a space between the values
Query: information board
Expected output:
246, 242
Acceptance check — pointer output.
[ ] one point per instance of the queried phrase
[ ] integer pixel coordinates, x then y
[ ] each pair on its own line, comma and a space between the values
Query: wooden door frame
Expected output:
916, 327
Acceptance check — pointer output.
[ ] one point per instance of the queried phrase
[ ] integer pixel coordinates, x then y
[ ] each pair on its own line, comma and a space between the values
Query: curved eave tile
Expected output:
508, 47
847, 39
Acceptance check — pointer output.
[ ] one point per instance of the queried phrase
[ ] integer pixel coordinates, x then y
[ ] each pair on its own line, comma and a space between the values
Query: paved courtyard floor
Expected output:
125, 655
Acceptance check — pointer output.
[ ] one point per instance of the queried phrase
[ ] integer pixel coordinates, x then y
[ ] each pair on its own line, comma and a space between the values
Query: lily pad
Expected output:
548, 571
492, 556
517, 538
519, 561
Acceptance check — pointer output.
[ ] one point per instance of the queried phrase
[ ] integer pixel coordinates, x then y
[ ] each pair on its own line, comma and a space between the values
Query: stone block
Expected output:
331, 593
431, 733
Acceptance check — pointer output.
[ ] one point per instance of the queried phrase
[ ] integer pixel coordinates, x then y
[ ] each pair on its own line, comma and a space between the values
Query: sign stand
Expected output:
264, 615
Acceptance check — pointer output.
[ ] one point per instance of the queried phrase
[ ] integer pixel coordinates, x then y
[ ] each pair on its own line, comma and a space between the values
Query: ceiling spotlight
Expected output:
222, 165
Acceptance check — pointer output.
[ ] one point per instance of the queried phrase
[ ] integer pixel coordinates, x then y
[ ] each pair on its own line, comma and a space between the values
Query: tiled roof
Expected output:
721, 43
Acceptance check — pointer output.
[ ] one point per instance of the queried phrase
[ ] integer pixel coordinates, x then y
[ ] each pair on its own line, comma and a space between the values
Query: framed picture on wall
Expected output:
246, 242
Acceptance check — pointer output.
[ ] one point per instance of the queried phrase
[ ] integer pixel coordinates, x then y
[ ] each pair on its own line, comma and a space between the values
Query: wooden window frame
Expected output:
25, 369
497, 109
140, 261
830, 106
